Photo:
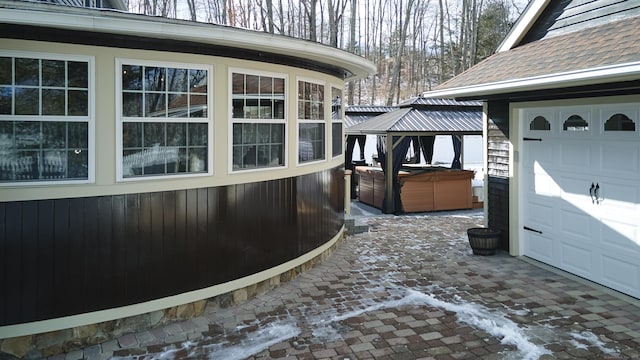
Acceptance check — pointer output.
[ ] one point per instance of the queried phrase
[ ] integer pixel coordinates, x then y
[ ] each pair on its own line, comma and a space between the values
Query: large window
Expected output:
258, 120
336, 122
45, 118
164, 119
311, 122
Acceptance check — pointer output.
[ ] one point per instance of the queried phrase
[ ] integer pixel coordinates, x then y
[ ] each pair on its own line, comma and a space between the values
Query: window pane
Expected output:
154, 79
153, 134
27, 165
197, 160
131, 77
178, 80
266, 85
27, 134
6, 71
263, 155
278, 86
249, 156
131, 135
54, 135
78, 135
78, 164
27, 101
198, 106
198, 81
237, 134
176, 134
132, 104
53, 102
311, 142
237, 157
248, 133
53, 73
6, 97
78, 74
336, 139
198, 134
178, 106
252, 85
155, 105
263, 133
277, 155
237, 86
27, 72
277, 133
54, 165
278, 112
78, 102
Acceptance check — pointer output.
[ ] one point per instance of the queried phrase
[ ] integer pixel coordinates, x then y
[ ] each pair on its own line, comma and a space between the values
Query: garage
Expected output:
579, 190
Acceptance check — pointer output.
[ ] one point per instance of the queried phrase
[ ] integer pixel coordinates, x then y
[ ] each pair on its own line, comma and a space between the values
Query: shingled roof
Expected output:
604, 52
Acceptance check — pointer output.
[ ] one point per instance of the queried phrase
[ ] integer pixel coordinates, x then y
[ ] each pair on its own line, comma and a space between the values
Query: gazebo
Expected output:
419, 120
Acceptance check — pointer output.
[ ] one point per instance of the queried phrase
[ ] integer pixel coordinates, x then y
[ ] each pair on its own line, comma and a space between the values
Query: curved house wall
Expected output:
110, 243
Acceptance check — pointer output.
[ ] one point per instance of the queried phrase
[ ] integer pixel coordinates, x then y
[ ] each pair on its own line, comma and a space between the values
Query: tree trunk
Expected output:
395, 73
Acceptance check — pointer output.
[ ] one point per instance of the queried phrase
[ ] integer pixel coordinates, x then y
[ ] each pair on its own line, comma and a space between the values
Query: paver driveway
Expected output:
410, 288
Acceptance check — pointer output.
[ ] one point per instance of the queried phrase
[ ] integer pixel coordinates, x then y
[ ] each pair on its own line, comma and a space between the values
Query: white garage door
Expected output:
581, 191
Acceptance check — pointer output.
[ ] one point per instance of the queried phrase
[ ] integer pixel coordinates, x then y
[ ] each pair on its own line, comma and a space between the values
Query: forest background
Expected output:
415, 44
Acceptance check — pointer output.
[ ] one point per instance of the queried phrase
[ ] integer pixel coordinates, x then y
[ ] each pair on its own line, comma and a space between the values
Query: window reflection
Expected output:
575, 123
619, 122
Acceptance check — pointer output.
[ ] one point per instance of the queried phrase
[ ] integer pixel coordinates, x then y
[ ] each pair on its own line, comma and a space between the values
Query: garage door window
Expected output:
540, 123
575, 123
619, 122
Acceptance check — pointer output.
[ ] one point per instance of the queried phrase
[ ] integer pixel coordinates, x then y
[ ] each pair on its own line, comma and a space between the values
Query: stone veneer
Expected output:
62, 341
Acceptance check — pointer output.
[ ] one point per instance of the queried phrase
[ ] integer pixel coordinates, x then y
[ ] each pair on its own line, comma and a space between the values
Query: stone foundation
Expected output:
63, 341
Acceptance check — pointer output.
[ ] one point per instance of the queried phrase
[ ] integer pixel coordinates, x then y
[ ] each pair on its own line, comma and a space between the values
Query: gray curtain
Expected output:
399, 153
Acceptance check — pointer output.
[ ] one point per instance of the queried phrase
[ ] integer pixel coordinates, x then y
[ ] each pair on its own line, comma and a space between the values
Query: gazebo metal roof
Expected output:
425, 116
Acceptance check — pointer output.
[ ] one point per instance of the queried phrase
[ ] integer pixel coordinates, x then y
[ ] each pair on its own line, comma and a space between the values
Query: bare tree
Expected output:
395, 73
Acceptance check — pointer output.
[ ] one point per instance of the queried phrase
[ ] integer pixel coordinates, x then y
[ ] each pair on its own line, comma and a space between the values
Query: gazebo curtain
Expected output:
348, 163
398, 153
426, 143
457, 151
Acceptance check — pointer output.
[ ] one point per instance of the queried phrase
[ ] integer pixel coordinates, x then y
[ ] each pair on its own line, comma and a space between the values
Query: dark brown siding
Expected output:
498, 169
69, 256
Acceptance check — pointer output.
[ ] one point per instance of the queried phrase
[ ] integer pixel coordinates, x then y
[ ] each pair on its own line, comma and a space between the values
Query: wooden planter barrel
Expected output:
483, 241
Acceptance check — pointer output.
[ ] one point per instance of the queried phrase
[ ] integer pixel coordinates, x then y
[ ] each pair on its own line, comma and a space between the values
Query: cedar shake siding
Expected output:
498, 169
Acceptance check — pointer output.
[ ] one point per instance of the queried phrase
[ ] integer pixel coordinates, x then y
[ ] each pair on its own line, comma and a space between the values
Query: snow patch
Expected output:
584, 339
257, 341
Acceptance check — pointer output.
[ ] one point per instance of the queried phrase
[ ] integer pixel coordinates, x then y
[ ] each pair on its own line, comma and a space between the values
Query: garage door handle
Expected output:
594, 192
534, 230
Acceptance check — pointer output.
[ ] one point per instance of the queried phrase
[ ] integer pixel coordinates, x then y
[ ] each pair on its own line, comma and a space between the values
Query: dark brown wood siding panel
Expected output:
498, 169
69, 256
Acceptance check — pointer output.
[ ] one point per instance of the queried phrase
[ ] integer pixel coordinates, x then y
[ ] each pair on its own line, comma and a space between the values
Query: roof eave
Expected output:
606, 74
114, 22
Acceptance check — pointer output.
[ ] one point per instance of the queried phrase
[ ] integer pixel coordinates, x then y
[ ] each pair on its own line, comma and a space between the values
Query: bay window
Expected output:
164, 119
336, 122
46, 118
258, 120
311, 122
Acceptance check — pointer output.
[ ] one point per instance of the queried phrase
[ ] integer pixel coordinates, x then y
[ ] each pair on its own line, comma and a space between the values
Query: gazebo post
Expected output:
389, 174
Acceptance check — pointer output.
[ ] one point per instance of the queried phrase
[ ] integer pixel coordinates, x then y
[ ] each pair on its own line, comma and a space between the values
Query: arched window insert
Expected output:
575, 123
539, 123
619, 122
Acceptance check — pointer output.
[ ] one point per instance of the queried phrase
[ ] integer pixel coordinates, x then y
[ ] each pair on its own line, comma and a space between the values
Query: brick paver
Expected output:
410, 288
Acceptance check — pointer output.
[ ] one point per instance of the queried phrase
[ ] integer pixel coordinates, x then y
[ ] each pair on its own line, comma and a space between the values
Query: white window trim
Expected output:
120, 119
231, 120
90, 118
340, 120
324, 121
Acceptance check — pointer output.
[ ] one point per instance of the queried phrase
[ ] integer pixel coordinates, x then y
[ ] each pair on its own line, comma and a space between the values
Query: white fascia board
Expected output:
523, 24
155, 27
614, 73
